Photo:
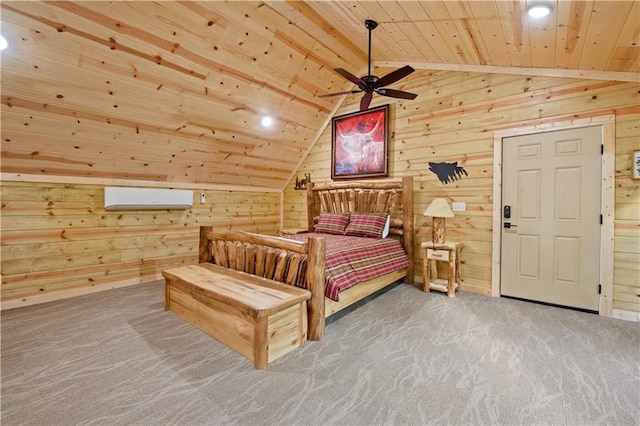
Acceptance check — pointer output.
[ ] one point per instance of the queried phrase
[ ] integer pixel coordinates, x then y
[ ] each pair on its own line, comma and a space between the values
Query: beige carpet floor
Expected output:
404, 357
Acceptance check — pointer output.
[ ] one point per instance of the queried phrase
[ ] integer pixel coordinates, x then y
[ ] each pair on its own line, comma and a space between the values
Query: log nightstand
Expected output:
449, 252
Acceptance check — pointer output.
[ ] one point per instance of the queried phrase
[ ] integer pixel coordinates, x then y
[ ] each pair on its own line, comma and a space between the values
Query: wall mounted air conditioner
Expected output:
124, 198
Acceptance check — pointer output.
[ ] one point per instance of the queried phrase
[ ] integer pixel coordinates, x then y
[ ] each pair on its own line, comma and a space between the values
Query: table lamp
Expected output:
438, 209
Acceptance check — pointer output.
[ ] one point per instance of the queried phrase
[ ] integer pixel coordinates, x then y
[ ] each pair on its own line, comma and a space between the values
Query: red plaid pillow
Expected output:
332, 223
366, 225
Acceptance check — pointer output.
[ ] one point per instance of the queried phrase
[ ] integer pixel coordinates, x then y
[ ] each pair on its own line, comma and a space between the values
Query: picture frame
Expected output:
360, 144
635, 165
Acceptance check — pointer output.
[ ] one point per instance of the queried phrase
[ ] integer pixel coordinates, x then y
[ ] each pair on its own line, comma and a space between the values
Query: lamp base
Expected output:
438, 230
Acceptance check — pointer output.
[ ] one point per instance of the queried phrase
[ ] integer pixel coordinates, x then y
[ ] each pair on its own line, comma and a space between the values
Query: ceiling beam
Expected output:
542, 72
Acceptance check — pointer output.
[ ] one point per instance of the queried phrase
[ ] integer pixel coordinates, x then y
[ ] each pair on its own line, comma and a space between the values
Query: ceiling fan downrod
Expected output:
370, 24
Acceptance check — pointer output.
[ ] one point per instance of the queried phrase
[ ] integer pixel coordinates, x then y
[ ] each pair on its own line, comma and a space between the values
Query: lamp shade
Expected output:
439, 207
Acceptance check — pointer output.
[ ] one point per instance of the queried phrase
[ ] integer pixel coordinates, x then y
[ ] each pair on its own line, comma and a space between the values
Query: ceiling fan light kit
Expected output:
370, 84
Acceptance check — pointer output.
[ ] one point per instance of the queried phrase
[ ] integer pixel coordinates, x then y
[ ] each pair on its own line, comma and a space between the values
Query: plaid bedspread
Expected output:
351, 260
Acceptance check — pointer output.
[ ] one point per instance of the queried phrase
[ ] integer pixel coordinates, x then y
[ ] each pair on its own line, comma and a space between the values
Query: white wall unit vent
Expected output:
118, 198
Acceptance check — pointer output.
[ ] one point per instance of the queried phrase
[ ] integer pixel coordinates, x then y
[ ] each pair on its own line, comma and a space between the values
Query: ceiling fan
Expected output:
371, 83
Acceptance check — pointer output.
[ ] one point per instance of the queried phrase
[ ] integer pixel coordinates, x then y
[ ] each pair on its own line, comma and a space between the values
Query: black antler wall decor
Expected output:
447, 172
301, 184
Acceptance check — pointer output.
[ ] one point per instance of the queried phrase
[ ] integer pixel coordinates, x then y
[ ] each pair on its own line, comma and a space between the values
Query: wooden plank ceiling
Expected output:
175, 91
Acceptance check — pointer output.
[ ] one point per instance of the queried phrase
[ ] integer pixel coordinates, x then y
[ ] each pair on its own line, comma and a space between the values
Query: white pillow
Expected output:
385, 231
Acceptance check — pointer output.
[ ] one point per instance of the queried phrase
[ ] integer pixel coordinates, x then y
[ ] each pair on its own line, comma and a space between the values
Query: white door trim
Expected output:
607, 124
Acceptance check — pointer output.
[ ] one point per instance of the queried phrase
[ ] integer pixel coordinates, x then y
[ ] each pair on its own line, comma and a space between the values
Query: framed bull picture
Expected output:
360, 144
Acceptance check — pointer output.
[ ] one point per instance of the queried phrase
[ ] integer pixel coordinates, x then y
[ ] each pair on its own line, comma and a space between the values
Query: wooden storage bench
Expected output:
259, 318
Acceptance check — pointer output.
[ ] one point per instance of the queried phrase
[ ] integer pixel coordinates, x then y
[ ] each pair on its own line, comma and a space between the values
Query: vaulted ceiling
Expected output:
175, 91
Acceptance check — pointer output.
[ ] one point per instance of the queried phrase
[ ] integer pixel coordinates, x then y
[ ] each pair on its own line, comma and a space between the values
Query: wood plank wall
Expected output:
453, 119
57, 240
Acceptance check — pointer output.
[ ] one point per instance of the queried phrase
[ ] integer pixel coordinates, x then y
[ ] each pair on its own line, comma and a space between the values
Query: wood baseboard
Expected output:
66, 294
626, 315
475, 289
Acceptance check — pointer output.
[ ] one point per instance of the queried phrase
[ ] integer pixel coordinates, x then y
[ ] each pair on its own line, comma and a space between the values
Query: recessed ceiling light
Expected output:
3, 43
539, 10
267, 121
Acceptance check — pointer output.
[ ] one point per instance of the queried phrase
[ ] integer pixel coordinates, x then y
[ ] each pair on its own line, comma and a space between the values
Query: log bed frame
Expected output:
390, 196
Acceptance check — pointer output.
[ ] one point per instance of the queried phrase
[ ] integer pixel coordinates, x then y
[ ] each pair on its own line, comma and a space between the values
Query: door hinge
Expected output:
601, 219
602, 149
599, 288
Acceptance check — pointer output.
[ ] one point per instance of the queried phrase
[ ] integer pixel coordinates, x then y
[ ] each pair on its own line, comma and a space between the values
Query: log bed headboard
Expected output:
393, 197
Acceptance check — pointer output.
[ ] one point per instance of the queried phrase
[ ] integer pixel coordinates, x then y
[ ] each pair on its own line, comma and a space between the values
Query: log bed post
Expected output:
204, 250
316, 282
311, 207
407, 218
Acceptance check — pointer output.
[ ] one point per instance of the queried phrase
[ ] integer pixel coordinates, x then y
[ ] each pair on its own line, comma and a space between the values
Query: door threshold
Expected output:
572, 308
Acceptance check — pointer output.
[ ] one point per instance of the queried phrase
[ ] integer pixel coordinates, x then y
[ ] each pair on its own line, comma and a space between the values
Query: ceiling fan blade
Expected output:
348, 92
366, 101
396, 93
394, 76
352, 78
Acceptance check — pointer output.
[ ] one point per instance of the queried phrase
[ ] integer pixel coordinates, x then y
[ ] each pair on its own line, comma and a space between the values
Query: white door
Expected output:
551, 183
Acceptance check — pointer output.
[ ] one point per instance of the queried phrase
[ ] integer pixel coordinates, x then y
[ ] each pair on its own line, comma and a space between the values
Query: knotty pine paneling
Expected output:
453, 119
174, 91
156, 92
626, 277
57, 239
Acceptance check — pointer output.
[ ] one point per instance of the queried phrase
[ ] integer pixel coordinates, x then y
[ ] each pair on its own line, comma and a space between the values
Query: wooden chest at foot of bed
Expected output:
259, 318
